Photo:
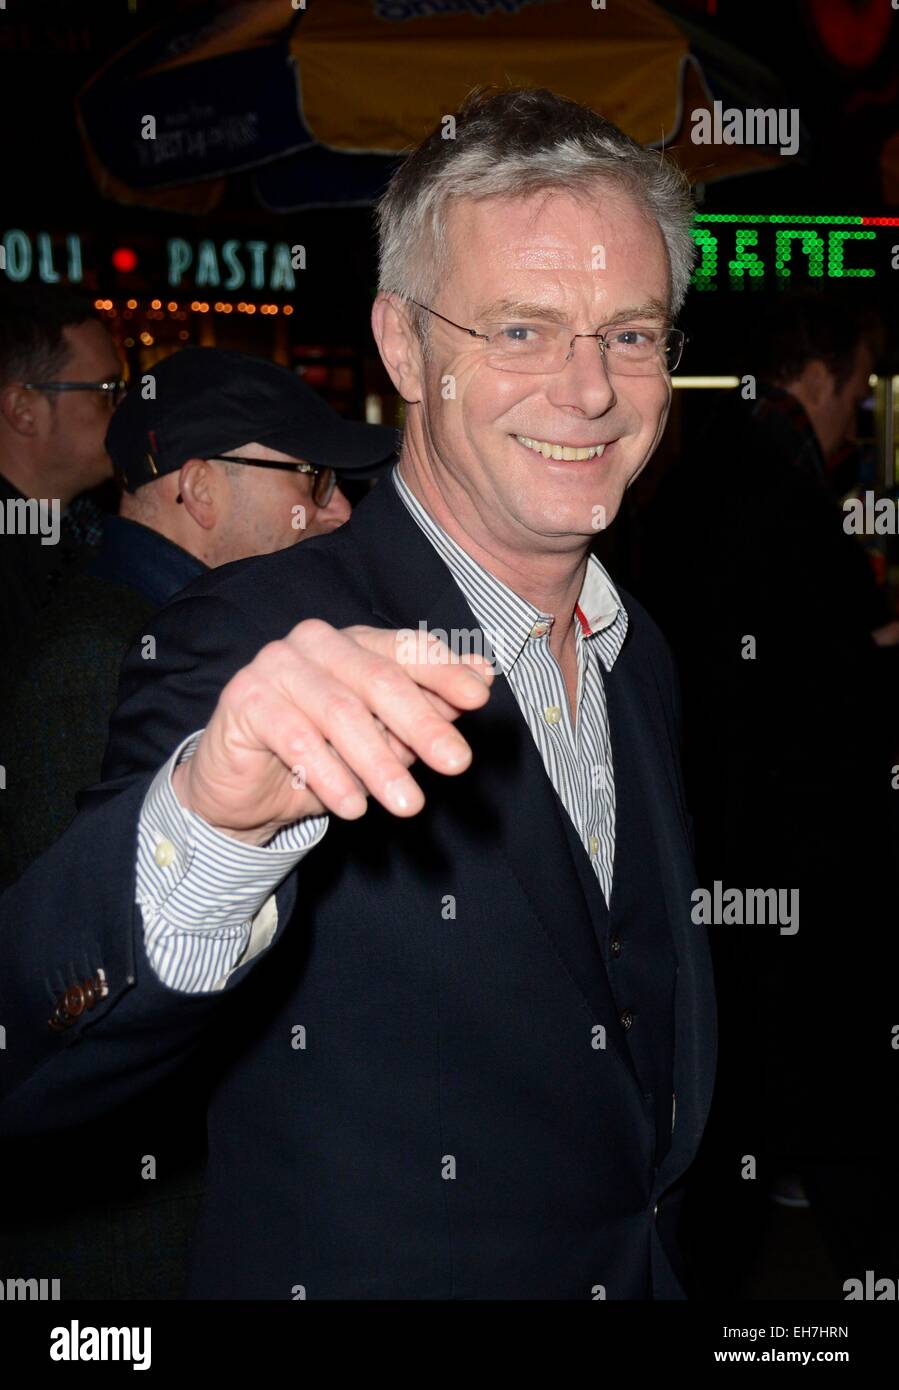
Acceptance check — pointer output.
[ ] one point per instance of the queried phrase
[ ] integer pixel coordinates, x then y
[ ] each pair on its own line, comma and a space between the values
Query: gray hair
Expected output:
513, 143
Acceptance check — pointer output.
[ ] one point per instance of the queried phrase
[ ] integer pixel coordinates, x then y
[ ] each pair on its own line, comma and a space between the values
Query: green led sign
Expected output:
755, 249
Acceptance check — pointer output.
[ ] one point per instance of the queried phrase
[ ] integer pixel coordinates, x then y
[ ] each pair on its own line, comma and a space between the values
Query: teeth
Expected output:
560, 451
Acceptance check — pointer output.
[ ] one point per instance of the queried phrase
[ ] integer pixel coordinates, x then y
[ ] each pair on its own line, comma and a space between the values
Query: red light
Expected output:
124, 259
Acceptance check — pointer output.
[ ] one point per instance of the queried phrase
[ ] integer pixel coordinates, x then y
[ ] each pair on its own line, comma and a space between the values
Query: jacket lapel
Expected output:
507, 788
637, 698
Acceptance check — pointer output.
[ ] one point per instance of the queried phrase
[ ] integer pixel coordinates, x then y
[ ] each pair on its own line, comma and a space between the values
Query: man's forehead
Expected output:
90, 340
553, 234
544, 252
552, 218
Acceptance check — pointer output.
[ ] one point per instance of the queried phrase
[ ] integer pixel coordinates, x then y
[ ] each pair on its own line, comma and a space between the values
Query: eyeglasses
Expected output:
324, 480
115, 387
542, 347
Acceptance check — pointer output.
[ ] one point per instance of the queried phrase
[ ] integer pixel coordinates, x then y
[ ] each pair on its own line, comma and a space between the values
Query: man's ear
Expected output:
199, 488
399, 346
20, 408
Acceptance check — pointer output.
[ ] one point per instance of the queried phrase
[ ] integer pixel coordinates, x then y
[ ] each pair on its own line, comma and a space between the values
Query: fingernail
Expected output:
398, 793
451, 750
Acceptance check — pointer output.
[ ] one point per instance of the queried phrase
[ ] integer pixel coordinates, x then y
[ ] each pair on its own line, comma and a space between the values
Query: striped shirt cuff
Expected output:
206, 899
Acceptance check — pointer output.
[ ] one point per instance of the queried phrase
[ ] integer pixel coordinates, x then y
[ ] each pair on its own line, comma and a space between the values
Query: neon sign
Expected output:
24, 255
228, 265
736, 251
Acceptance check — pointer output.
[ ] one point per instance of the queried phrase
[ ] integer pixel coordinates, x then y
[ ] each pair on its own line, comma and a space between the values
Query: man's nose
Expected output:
585, 380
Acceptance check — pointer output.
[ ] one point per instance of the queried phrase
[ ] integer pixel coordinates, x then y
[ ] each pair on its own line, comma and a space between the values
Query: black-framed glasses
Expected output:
538, 346
324, 480
115, 387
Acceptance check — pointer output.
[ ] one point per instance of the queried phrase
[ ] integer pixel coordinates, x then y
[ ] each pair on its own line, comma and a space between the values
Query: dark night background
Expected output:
837, 61
845, 85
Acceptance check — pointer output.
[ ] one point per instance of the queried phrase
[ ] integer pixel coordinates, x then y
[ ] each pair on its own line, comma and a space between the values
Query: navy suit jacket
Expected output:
449, 1129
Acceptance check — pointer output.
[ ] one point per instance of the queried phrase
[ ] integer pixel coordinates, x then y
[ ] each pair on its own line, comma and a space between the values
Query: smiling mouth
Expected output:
561, 452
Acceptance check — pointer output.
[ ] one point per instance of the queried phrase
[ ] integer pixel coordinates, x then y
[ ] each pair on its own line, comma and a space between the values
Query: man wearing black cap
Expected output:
234, 457
221, 457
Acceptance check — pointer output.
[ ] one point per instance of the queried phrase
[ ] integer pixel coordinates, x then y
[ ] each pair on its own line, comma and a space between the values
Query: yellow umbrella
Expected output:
373, 78
375, 83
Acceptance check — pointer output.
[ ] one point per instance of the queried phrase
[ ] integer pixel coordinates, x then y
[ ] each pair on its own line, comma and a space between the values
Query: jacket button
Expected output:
73, 1001
627, 1019
615, 946
655, 1210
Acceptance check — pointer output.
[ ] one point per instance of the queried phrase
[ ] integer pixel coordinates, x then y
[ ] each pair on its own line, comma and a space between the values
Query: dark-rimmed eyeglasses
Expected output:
324, 480
544, 347
115, 387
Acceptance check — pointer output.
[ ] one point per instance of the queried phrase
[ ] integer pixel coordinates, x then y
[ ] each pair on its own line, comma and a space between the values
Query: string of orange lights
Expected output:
196, 306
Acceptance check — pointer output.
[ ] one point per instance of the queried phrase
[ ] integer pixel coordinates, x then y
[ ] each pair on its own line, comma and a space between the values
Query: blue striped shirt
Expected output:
207, 900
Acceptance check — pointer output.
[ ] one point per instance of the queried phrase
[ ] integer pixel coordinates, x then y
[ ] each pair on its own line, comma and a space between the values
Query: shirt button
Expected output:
594, 845
627, 1019
615, 946
164, 853
552, 714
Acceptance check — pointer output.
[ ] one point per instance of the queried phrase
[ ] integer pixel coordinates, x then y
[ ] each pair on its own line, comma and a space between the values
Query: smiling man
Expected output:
525, 438
467, 1025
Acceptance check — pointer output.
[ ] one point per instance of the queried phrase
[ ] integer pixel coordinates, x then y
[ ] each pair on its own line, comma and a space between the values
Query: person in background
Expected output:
184, 510
786, 648
60, 379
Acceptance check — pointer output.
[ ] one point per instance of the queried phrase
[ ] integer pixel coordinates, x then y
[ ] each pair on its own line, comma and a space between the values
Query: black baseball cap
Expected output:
208, 401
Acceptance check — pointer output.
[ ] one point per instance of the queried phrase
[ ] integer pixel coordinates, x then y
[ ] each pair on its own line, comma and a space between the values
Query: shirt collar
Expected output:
142, 559
508, 620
